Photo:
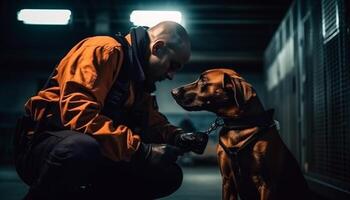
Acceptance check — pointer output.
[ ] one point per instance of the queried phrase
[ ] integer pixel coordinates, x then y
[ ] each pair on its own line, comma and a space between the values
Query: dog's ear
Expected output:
248, 91
239, 88
233, 88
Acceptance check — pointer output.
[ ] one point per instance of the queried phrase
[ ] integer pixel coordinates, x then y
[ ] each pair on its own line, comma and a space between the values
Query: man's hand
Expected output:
156, 154
195, 142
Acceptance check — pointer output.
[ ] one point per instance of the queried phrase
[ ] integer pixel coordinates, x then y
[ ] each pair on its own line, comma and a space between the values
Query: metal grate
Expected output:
330, 155
325, 91
330, 19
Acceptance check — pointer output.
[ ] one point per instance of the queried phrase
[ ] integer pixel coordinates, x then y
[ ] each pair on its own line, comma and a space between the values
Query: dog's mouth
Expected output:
192, 108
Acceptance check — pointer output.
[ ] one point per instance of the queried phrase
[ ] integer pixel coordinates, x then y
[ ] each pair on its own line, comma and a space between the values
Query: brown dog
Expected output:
254, 162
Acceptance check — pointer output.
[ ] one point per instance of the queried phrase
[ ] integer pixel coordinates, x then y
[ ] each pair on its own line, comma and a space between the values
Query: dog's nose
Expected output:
175, 91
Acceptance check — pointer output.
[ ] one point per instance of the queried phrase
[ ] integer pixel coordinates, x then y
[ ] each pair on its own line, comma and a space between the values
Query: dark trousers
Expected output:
69, 165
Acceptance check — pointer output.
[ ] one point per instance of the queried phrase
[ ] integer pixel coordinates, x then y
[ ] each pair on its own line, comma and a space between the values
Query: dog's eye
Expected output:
203, 81
203, 84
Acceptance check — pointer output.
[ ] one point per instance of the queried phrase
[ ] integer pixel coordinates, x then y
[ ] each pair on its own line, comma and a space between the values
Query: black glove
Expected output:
155, 154
195, 142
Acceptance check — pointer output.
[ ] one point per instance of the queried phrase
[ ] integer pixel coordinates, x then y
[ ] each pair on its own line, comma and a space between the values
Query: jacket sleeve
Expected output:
85, 76
159, 129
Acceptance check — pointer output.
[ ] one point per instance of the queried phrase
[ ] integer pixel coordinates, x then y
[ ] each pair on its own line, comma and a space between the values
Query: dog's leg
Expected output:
259, 178
229, 190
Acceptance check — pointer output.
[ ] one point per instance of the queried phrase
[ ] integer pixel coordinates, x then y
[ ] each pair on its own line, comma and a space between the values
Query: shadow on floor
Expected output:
199, 183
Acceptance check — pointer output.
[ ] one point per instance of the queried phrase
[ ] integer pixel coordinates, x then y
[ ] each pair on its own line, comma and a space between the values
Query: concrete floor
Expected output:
11, 187
200, 183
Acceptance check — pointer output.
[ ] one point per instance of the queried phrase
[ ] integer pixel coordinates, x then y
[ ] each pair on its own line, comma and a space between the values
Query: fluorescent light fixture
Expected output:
44, 16
151, 17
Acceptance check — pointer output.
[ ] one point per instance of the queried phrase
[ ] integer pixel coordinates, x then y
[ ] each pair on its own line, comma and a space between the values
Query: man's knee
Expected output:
170, 180
176, 176
76, 149
70, 164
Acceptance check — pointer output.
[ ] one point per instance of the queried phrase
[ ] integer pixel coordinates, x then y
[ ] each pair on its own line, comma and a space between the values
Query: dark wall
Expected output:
308, 79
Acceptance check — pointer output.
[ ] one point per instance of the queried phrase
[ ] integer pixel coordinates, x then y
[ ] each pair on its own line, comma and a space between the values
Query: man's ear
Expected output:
157, 47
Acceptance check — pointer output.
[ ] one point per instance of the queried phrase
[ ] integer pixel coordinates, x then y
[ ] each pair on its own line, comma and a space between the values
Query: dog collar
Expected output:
263, 120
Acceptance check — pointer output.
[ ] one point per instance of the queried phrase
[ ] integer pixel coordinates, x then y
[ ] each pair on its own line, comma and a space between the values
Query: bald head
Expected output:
173, 34
170, 49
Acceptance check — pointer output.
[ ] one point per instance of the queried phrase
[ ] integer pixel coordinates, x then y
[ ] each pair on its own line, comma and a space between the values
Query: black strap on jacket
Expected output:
118, 93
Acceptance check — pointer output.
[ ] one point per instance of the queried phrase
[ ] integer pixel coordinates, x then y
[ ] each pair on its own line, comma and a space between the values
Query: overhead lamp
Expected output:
152, 17
44, 16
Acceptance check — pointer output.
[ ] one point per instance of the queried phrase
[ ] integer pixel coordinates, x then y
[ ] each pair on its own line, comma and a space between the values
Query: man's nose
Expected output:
170, 75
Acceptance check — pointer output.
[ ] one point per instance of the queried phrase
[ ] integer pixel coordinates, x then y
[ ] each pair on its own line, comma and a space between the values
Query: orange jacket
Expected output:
82, 80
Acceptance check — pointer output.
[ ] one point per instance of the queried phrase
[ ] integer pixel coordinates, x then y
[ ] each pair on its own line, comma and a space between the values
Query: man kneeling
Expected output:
94, 130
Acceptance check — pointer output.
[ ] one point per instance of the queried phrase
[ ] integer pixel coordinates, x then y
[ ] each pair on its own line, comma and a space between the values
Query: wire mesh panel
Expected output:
329, 154
309, 79
330, 19
321, 52
335, 106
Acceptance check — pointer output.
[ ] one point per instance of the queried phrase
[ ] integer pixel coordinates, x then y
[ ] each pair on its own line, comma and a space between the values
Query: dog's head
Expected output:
216, 90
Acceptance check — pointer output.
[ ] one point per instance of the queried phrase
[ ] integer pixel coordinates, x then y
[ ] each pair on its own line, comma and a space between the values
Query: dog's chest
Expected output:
246, 156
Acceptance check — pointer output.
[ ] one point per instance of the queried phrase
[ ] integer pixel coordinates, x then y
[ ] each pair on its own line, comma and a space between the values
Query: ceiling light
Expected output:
44, 16
150, 17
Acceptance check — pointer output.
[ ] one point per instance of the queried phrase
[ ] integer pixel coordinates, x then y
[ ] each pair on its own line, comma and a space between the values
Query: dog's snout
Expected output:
177, 91
189, 98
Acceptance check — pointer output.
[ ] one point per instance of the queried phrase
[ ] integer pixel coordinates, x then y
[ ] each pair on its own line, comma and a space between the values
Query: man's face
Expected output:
164, 61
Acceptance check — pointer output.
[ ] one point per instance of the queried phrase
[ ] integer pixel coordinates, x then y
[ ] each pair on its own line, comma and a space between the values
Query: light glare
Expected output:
150, 18
44, 16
